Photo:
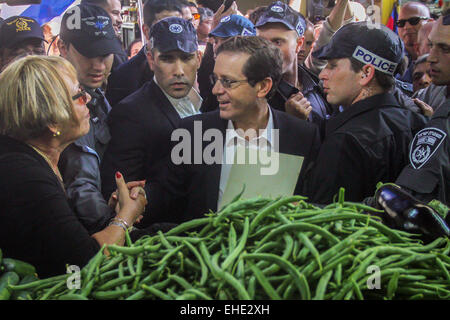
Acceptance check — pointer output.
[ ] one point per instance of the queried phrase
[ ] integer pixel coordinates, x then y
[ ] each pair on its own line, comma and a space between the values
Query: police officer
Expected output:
298, 93
20, 36
427, 176
368, 141
90, 47
229, 26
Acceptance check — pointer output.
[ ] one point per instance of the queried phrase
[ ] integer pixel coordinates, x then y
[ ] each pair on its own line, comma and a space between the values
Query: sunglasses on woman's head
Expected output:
412, 21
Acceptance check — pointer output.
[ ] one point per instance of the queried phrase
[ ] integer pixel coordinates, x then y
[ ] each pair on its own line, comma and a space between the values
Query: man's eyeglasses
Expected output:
82, 96
226, 83
412, 21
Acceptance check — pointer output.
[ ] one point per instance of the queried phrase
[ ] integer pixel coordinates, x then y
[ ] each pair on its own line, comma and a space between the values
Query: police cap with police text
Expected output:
368, 43
173, 33
233, 25
89, 29
282, 13
17, 29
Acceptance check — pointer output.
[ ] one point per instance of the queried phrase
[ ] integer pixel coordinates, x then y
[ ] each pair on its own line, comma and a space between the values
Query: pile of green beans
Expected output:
266, 249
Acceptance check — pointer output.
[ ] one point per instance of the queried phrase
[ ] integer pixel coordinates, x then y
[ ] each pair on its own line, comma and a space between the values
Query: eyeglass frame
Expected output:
403, 21
82, 93
228, 83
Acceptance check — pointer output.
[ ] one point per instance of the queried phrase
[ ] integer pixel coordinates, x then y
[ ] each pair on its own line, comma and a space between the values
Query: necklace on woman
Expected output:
55, 171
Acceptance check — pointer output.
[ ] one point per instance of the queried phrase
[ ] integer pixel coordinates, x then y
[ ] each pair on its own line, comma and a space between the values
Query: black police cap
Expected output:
373, 44
89, 29
173, 33
282, 13
17, 29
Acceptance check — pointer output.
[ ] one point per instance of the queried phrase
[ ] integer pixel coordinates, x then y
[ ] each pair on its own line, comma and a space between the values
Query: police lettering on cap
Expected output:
89, 29
233, 25
173, 33
379, 47
279, 12
17, 29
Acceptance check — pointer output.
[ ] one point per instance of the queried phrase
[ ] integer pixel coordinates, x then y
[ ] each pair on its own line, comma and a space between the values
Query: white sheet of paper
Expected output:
280, 181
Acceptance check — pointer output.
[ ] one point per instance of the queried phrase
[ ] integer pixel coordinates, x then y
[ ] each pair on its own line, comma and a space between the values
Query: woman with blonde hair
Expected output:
43, 110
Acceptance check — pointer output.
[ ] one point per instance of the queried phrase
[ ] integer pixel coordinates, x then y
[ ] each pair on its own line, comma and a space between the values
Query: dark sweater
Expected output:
37, 224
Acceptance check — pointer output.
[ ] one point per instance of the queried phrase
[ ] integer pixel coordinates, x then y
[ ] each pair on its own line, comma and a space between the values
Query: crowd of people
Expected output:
88, 138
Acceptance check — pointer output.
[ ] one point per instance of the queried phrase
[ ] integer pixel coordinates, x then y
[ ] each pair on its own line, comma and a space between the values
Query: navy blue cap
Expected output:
281, 12
89, 29
375, 45
173, 33
16, 29
233, 25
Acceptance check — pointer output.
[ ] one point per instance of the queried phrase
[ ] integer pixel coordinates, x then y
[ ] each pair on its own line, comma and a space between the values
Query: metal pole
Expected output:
141, 21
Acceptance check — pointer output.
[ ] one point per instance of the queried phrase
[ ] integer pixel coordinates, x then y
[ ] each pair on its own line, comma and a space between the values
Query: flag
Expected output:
391, 24
42, 13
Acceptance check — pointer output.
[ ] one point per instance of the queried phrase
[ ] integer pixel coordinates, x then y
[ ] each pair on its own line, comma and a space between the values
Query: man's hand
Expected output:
298, 106
426, 109
133, 192
220, 14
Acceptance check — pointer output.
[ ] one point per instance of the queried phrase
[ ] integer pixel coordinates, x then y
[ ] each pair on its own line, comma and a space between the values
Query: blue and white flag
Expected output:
43, 13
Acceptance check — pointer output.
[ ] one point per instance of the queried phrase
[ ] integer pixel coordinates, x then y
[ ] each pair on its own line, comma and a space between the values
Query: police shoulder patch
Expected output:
424, 145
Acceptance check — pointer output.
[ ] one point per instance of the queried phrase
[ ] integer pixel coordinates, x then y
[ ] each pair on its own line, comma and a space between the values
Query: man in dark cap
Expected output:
131, 75
229, 26
368, 141
298, 93
427, 175
142, 123
20, 36
88, 41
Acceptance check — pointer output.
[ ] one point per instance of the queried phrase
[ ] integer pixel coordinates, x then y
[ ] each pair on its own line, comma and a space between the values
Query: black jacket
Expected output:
140, 127
79, 165
128, 78
427, 175
365, 144
187, 191
311, 90
37, 224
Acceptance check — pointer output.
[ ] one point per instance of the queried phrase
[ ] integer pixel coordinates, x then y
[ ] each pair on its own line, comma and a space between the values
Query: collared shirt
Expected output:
232, 140
186, 106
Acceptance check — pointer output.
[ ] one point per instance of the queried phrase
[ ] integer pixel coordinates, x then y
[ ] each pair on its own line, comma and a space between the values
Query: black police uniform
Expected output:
365, 144
427, 176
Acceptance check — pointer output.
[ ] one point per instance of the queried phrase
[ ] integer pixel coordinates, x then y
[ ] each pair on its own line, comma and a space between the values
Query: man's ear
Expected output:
150, 58
146, 31
264, 87
63, 48
367, 74
300, 41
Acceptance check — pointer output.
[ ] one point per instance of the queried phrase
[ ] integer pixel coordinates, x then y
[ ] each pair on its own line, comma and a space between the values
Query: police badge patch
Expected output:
424, 145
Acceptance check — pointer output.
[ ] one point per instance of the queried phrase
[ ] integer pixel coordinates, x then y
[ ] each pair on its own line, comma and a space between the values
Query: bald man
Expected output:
412, 16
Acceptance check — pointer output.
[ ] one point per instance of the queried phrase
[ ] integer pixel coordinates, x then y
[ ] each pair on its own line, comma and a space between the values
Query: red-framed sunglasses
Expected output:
82, 96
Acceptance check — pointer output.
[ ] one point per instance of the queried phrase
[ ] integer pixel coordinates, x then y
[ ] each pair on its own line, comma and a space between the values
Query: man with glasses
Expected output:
246, 71
142, 123
90, 47
20, 36
412, 16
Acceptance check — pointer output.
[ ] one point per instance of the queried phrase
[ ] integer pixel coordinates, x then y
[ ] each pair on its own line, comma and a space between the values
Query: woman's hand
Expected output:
129, 208
113, 200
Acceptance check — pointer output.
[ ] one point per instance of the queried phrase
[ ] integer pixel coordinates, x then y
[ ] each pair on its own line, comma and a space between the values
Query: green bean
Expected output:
265, 284
393, 285
322, 285
242, 241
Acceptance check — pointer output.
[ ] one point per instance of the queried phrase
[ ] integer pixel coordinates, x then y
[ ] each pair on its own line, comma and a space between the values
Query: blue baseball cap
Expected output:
233, 25
376, 45
173, 33
282, 13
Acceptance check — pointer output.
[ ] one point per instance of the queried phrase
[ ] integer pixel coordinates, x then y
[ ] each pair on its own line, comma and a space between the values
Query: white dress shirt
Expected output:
186, 106
233, 139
